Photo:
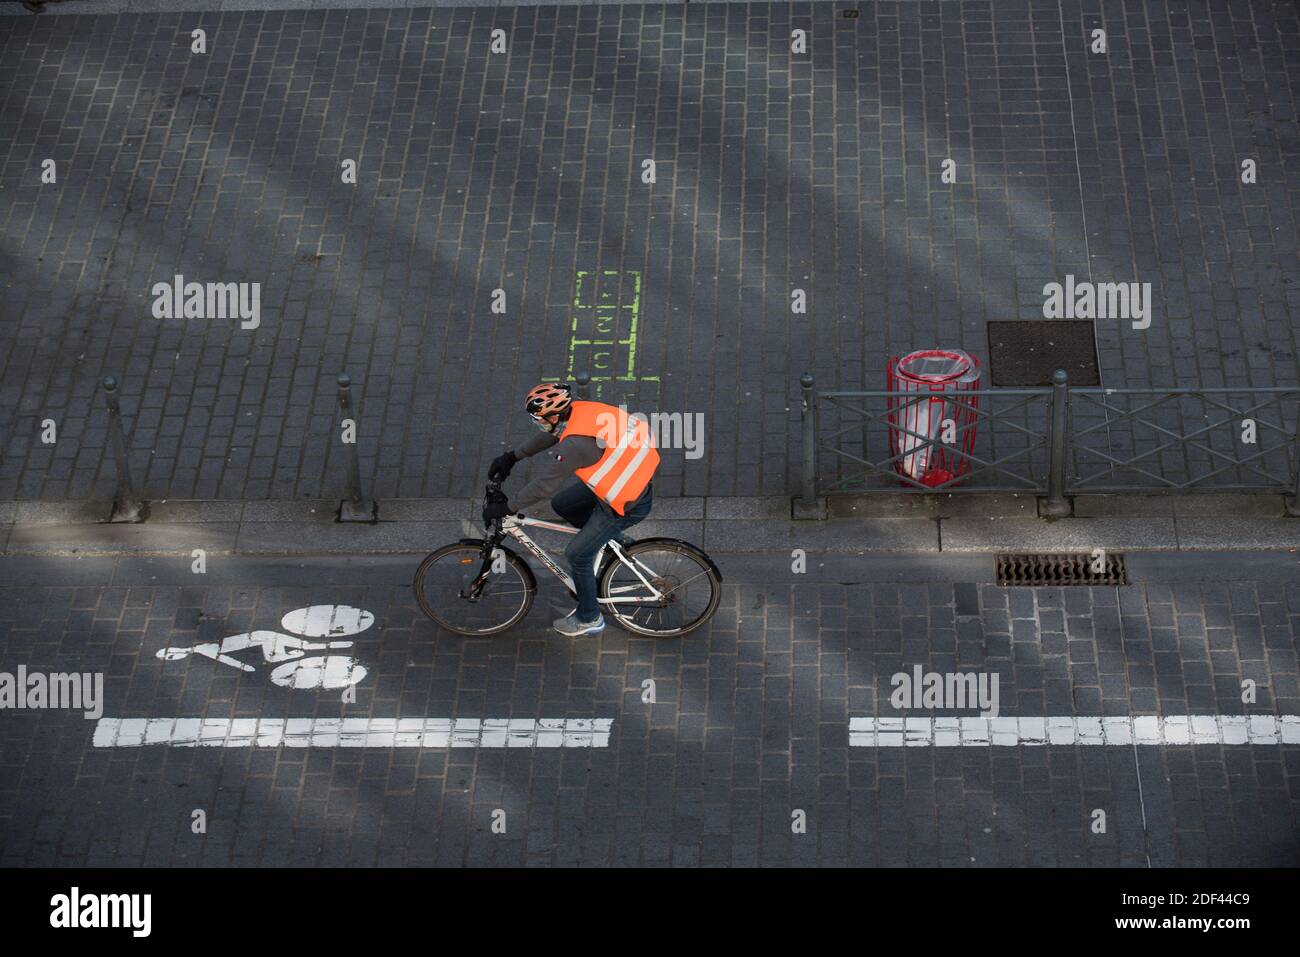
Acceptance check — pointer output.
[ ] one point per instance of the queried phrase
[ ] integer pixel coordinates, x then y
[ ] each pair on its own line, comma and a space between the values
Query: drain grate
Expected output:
1061, 569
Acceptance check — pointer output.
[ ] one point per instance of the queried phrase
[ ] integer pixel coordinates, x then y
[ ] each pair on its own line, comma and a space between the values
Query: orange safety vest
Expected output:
630, 458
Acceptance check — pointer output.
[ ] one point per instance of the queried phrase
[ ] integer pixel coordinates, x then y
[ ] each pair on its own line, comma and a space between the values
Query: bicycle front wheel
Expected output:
451, 589
665, 588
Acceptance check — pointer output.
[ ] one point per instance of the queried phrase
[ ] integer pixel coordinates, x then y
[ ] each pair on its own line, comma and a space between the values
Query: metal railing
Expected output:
1056, 441
129, 504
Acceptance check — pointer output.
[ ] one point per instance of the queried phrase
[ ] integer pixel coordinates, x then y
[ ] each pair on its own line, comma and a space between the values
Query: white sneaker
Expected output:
571, 627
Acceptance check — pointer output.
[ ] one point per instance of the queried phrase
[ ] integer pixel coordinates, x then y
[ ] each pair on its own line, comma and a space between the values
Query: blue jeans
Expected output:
578, 505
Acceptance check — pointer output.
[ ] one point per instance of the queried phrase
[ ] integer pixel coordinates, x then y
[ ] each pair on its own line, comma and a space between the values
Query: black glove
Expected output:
495, 507
500, 468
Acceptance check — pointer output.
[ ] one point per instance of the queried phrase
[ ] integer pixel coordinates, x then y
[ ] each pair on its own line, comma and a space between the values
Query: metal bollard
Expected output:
127, 506
808, 505
355, 507
583, 391
1293, 501
1056, 505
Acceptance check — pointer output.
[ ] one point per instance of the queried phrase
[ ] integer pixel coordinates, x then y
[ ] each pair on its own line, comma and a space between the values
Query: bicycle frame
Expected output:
514, 527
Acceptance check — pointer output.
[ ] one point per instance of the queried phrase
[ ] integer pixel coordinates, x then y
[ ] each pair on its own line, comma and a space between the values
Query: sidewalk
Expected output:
891, 524
522, 172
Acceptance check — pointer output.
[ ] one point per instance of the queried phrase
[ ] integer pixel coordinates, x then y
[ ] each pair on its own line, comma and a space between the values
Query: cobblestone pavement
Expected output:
750, 722
522, 171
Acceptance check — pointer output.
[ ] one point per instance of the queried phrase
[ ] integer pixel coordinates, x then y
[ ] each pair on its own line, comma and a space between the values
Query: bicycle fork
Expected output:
474, 590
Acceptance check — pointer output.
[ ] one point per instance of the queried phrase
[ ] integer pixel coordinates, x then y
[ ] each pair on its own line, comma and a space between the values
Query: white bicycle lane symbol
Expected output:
290, 652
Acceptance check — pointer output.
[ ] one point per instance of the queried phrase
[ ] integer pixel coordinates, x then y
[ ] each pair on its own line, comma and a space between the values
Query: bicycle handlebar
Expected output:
495, 487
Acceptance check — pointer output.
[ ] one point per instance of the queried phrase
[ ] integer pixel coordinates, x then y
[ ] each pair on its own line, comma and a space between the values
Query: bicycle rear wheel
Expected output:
450, 587
688, 582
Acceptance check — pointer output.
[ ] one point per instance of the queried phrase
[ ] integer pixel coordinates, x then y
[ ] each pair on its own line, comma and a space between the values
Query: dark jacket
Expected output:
566, 456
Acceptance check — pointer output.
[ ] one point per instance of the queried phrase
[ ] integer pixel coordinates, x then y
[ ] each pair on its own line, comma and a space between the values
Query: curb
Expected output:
903, 524
117, 7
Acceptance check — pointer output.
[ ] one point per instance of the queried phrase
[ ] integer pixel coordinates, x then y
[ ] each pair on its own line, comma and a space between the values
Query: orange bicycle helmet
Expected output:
549, 398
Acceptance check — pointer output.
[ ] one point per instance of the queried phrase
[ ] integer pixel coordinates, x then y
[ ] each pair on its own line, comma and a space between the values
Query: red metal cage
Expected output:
933, 398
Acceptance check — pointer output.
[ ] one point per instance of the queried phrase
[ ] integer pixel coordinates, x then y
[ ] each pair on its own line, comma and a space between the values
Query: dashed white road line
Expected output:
865, 732
977, 732
354, 732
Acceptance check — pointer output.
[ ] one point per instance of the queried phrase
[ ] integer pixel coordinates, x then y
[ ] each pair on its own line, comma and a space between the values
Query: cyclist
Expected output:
611, 459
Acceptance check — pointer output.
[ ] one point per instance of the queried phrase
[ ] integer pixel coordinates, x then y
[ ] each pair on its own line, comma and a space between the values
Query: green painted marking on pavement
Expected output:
603, 334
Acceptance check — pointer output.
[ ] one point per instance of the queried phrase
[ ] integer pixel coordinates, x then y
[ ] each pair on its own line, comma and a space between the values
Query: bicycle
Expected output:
482, 587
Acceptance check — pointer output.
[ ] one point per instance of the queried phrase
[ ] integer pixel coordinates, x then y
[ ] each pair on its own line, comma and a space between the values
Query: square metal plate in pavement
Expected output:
1026, 352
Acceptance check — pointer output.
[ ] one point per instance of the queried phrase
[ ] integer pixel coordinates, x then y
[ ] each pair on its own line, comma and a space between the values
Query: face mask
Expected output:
543, 424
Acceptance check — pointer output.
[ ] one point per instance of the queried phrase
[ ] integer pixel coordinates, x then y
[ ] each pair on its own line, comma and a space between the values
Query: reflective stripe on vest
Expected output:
629, 459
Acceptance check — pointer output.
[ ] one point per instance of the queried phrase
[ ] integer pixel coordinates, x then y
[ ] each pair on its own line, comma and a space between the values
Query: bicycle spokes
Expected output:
469, 590
661, 590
